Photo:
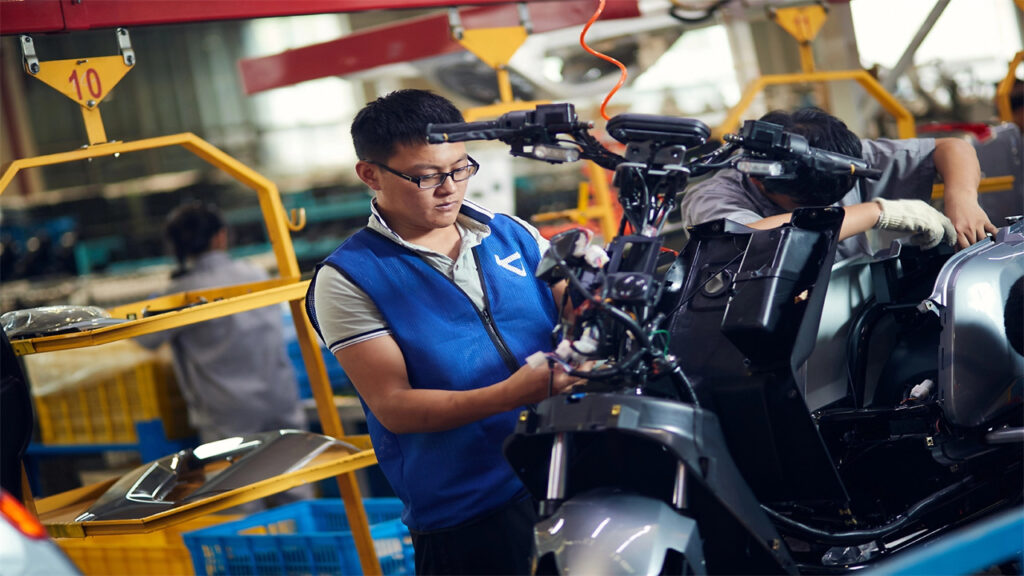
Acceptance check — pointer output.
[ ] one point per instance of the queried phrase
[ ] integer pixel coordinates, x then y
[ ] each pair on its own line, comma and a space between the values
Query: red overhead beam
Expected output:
30, 16
39, 16
411, 40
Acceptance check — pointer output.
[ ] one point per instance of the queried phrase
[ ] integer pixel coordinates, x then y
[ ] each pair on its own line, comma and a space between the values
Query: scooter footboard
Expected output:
606, 532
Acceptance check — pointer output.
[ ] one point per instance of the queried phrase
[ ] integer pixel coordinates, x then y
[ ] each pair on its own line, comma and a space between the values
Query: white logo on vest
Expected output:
507, 261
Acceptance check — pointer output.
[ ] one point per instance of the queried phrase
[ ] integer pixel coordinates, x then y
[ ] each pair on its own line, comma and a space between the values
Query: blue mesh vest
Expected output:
447, 478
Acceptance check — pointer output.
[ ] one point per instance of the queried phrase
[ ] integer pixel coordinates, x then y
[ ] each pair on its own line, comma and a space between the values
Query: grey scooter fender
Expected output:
606, 532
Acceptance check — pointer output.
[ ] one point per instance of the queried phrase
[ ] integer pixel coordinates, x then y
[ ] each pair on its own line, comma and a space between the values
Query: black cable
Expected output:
617, 370
861, 536
677, 371
618, 315
683, 301
596, 152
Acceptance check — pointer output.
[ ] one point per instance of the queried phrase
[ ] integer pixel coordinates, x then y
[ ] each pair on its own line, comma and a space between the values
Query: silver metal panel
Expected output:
154, 487
823, 378
612, 533
979, 372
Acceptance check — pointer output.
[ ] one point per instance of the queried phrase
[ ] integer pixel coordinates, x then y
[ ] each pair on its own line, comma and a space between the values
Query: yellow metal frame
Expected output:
601, 209
216, 306
97, 78
86, 81
1006, 86
223, 302
495, 47
499, 108
269, 197
904, 119
991, 184
803, 23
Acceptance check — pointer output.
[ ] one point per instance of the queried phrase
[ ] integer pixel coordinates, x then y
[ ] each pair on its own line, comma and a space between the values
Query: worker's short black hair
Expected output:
822, 130
190, 228
400, 118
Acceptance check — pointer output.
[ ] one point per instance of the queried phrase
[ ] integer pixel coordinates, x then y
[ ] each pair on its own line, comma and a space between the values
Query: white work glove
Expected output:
928, 225
591, 253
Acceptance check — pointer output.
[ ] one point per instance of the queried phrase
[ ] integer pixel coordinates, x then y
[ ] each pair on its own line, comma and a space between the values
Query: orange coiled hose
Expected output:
605, 57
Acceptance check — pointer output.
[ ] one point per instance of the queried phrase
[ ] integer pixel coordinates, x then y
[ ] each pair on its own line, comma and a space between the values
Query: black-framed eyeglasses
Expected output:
430, 181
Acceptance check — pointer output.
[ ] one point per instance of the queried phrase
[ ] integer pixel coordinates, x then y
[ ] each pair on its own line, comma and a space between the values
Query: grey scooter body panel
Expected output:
604, 532
979, 373
683, 432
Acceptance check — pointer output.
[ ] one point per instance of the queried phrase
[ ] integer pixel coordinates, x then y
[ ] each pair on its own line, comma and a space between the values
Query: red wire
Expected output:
605, 57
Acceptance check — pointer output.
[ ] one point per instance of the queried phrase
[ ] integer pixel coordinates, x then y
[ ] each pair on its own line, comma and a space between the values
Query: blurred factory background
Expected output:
89, 232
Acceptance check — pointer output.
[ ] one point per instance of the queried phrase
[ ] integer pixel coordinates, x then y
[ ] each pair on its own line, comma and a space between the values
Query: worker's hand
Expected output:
928, 225
970, 221
541, 379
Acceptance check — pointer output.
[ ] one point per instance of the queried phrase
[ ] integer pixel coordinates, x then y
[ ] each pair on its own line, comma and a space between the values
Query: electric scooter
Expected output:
693, 448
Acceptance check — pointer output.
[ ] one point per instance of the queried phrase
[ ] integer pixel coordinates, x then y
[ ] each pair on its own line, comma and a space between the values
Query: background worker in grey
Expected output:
234, 371
896, 202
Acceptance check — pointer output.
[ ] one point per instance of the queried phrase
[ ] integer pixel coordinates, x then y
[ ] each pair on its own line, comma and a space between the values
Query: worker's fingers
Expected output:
974, 232
962, 241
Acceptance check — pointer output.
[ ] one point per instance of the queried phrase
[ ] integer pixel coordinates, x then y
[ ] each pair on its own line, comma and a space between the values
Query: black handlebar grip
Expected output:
464, 131
840, 163
869, 173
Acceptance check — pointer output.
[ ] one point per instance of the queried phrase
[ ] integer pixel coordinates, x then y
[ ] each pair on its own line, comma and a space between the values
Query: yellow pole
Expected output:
94, 130
1006, 86
806, 57
504, 84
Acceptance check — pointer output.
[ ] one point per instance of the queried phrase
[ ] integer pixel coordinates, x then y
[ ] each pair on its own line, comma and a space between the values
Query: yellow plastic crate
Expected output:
104, 410
160, 553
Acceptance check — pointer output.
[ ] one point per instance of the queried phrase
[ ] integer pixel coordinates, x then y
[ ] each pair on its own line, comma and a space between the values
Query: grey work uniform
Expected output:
234, 371
908, 173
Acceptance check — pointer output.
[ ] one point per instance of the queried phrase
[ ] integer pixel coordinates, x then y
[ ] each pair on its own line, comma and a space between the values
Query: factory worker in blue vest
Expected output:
432, 310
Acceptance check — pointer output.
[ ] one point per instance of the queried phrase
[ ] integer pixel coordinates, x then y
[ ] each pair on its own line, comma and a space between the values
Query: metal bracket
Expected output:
296, 220
458, 30
524, 17
929, 307
455, 23
124, 45
28, 55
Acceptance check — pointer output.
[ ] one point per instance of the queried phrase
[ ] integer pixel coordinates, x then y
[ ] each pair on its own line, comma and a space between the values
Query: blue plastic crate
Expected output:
307, 537
340, 384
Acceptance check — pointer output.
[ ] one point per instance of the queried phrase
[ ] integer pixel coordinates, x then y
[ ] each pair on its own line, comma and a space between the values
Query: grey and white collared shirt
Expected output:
347, 316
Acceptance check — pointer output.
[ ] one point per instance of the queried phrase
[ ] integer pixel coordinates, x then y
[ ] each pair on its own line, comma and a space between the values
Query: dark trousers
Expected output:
500, 542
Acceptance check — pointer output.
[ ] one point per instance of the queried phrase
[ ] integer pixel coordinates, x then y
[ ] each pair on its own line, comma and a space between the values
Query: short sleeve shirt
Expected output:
347, 316
908, 172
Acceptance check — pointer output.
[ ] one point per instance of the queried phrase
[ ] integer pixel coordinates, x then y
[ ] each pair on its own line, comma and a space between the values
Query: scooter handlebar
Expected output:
466, 131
